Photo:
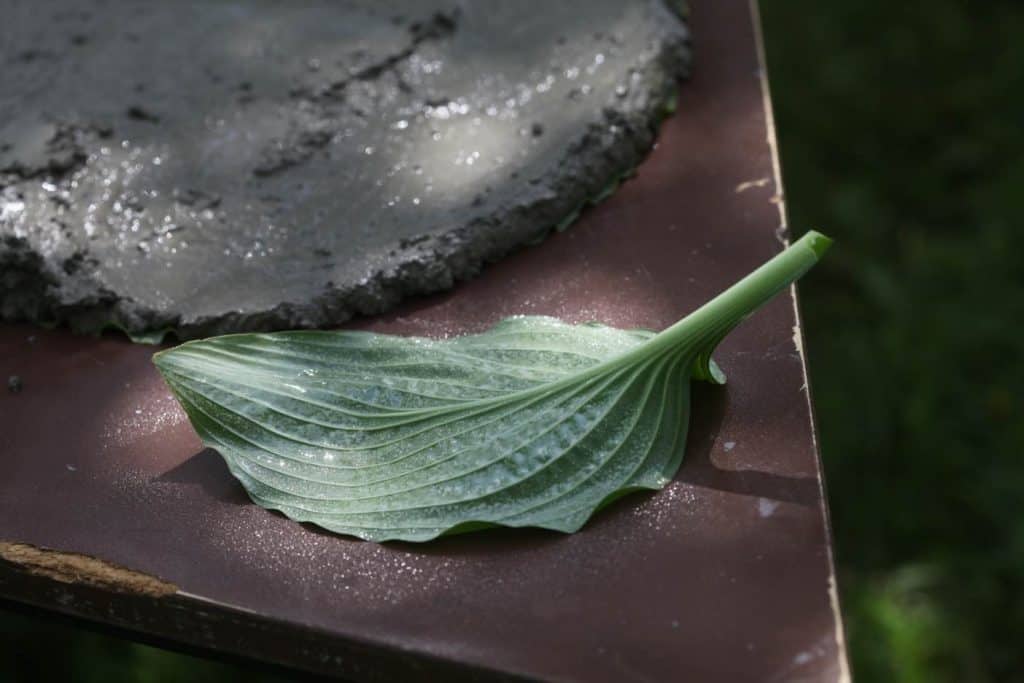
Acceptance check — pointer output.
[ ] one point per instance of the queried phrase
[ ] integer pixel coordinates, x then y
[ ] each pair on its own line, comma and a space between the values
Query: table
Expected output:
112, 511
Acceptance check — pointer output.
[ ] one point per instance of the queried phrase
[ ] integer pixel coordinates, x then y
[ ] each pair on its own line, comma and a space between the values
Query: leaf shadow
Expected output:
483, 543
709, 406
207, 470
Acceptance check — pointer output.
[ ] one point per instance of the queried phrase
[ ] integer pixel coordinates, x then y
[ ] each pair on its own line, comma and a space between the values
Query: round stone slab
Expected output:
217, 166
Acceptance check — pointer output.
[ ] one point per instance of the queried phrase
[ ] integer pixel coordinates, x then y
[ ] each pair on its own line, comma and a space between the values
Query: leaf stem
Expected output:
704, 328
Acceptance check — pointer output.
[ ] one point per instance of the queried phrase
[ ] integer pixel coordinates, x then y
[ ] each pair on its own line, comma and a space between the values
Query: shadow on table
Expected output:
709, 405
207, 470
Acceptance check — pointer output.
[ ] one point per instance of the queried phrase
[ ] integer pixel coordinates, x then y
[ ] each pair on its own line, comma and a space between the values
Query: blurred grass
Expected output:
902, 135
901, 129
35, 647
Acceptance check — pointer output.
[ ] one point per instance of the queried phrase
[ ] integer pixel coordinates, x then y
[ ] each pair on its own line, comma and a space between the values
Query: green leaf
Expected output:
533, 423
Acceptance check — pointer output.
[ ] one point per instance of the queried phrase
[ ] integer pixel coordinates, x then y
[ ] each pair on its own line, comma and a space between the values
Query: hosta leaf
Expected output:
535, 422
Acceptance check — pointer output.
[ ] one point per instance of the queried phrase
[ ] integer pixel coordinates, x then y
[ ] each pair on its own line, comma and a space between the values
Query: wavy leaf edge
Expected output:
294, 414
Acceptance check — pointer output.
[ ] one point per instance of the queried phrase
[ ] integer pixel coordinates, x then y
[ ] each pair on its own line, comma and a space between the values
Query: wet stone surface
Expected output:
222, 166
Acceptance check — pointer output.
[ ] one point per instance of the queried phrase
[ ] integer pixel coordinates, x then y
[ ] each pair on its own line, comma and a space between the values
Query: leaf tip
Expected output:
165, 360
159, 359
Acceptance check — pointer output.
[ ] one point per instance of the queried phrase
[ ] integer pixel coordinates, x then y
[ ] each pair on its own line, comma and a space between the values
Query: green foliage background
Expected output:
902, 135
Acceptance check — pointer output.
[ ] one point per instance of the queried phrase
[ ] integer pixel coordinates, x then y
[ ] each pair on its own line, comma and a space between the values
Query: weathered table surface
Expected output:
111, 510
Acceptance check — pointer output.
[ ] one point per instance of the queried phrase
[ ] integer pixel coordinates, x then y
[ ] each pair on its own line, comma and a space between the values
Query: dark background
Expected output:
902, 135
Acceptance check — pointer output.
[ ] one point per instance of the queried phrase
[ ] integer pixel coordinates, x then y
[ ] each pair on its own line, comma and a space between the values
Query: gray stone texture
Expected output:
216, 166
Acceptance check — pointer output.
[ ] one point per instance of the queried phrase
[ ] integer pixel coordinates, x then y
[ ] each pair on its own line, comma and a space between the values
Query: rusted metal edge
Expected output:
155, 611
72, 568
782, 233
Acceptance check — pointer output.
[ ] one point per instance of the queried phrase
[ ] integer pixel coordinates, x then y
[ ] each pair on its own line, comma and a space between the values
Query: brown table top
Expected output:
724, 575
